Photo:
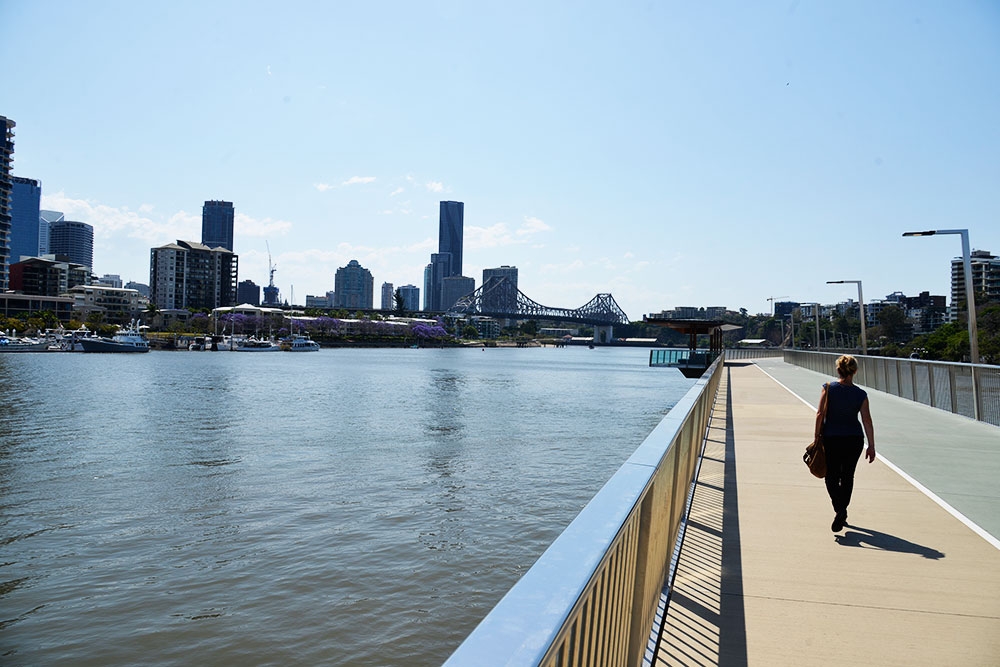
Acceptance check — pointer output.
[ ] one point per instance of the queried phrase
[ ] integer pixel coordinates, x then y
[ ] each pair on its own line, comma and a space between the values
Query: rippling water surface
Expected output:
345, 507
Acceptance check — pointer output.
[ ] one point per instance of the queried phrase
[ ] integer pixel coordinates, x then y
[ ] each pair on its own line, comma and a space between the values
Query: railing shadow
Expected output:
706, 622
867, 538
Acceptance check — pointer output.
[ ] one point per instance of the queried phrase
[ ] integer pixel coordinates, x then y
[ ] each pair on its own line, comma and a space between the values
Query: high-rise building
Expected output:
45, 221
454, 288
192, 275
985, 278
217, 224
73, 239
500, 289
354, 287
110, 280
26, 198
6, 188
247, 291
411, 297
434, 275
141, 288
450, 231
388, 297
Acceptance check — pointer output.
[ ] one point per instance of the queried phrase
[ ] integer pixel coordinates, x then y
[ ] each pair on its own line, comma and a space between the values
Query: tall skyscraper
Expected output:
388, 297
454, 288
45, 221
434, 275
73, 239
353, 287
6, 188
247, 291
192, 275
450, 230
217, 224
24, 211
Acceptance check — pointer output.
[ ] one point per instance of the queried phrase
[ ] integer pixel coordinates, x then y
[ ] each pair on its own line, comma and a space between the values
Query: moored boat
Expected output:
128, 339
299, 343
15, 344
256, 345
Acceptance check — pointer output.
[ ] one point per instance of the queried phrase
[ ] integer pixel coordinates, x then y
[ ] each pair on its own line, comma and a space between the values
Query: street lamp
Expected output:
969, 288
970, 299
861, 304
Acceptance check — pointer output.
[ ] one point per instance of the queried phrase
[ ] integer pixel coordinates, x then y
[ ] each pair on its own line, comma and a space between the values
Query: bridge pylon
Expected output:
604, 334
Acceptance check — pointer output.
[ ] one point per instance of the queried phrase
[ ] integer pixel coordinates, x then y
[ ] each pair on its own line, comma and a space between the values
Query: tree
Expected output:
400, 302
892, 324
529, 328
470, 331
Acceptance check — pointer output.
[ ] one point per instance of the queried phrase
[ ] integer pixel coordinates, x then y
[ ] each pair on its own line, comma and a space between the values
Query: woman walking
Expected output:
843, 436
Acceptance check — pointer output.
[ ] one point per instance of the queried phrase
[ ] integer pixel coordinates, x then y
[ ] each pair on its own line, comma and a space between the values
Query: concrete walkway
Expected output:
762, 580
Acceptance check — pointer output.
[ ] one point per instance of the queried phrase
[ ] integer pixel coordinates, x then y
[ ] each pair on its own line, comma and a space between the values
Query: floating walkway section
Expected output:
760, 579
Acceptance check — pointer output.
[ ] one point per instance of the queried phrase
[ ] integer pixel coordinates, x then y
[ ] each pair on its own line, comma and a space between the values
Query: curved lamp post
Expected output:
861, 305
816, 313
970, 298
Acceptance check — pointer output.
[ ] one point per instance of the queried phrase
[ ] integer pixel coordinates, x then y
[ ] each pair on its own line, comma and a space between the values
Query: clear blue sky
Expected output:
669, 153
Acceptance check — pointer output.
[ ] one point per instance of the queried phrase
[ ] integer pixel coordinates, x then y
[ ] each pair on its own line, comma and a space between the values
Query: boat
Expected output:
255, 345
299, 343
61, 340
11, 343
128, 339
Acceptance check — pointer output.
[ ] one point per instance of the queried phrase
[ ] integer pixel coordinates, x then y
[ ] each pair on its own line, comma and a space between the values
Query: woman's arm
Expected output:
820, 414
866, 422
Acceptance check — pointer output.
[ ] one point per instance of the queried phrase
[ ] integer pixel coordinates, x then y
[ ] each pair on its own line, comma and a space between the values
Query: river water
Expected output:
342, 507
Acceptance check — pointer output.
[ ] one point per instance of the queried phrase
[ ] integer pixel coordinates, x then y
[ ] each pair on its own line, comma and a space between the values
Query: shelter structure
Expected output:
694, 361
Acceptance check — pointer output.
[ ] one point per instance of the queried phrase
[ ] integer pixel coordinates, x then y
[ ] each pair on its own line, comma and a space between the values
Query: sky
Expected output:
670, 153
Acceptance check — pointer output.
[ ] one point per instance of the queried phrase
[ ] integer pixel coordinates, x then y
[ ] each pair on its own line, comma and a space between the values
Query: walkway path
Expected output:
763, 581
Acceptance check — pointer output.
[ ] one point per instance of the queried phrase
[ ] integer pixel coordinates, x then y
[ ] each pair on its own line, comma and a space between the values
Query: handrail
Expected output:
944, 385
591, 598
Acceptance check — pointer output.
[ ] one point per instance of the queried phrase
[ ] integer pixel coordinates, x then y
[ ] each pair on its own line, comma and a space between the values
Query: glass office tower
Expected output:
450, 227
217, 224
24, 218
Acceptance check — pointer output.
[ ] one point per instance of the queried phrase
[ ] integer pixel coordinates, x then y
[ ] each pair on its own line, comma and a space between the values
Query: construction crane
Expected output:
771, 299
270, 292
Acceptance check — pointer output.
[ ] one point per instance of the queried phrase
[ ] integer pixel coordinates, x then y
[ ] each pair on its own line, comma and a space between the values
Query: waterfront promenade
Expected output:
761, 578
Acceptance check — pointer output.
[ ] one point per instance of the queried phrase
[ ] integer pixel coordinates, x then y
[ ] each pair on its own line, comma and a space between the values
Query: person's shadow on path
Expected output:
866, 538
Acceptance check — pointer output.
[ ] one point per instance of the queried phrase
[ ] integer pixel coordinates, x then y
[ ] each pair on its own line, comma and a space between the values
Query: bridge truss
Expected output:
498, 297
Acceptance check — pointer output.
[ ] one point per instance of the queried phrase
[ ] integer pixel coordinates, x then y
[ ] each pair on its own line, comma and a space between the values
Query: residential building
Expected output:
247, 291
985, 278
486, 326
189, 275
6, 191
320, 302
110, 280
217, 224
26, 197
117, 305
411, 298
19, 305
73, 239
50, 275
141, 288
353, 287
388, 297
926, 312
450, 231
454, 288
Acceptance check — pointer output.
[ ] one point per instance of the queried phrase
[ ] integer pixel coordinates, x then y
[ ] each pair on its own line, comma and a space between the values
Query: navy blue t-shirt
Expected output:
843, 403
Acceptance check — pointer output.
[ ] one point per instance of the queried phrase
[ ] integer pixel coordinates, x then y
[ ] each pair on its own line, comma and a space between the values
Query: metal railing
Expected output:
752, 352
591, 598
939, 384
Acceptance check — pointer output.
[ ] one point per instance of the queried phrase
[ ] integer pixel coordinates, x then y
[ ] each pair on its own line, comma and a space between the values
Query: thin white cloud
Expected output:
435, 186
244, 225
396, 192
323, 187
356, 180
531, 226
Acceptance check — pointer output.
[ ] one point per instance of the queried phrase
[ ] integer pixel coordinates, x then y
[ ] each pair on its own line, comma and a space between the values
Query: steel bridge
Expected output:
499, 298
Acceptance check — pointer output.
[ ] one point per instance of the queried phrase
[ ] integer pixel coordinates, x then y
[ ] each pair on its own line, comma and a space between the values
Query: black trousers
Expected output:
842, 455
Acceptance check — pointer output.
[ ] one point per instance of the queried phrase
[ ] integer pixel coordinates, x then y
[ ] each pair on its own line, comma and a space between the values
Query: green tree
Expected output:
529, 328
892, 325
400, 302
469, 331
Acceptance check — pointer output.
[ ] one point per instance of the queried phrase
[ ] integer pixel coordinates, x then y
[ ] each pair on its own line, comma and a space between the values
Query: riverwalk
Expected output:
914, 578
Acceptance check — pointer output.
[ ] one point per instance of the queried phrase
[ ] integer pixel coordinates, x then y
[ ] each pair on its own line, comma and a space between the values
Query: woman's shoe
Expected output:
838, 522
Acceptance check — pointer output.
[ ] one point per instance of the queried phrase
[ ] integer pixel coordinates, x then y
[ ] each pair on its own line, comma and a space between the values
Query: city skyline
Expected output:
671, 155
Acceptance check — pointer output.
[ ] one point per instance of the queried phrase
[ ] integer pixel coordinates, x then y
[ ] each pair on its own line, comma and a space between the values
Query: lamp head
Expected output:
927, 233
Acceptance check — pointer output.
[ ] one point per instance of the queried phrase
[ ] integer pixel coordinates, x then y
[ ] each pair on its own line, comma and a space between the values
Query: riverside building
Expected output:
6, 190
353, 287
24, 218
73, 239
187, 275
985, 279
